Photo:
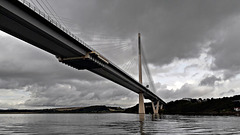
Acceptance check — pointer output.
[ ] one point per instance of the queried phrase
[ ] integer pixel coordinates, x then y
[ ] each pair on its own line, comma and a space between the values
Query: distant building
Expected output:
236, 105
236, 101
237, 109
187, 99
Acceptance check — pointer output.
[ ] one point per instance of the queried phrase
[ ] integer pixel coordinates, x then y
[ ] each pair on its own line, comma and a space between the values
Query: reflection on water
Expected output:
156, 117
141, 117
26, 124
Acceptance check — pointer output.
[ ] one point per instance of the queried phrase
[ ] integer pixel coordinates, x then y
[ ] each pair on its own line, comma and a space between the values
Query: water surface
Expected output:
117, 123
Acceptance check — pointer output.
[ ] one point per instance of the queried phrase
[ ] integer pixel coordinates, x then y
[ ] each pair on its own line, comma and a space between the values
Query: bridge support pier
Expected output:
155, 109
141, 106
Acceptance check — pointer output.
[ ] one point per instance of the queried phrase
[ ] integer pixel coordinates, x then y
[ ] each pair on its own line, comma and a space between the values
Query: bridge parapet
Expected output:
57, 24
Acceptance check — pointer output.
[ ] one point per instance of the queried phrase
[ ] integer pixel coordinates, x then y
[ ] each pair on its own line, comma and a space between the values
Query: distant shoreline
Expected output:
186, 114
89, 109
227, 106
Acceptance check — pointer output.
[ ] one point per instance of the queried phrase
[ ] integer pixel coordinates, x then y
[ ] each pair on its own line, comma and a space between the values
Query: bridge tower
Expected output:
141, 106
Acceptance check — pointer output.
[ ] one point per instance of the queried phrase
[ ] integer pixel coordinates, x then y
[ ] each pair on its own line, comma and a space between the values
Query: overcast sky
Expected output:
192, 49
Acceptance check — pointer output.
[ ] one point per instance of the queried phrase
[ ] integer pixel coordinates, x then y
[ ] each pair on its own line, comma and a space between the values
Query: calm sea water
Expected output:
34, 124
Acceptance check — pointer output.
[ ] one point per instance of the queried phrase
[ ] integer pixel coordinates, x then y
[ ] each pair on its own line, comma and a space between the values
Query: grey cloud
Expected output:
6, 106
170, 29
187, 90
209, 81
226, 52
230, 92
70, 94
190, 66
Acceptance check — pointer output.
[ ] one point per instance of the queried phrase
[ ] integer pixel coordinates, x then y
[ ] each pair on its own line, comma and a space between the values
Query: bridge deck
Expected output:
38, 29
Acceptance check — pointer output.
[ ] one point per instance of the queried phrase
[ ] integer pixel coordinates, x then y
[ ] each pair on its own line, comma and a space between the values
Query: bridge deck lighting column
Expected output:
141, 107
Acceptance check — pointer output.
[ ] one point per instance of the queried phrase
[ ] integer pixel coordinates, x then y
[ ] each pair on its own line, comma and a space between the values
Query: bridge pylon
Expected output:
141, 106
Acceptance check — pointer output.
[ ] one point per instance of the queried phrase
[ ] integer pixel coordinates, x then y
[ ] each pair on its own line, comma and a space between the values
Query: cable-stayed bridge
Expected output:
23, 20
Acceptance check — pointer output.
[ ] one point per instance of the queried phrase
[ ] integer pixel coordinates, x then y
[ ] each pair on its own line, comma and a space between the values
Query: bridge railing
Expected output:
57, 24
65, 30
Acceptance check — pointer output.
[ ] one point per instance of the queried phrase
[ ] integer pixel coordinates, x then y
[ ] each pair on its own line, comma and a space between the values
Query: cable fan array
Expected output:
122, 52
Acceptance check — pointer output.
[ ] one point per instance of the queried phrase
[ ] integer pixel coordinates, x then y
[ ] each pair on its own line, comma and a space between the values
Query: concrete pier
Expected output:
155, 109
141, 106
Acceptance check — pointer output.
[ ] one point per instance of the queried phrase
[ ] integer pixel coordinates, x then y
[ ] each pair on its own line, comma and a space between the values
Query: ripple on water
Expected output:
116, 124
